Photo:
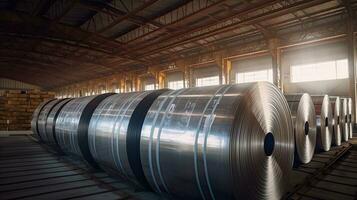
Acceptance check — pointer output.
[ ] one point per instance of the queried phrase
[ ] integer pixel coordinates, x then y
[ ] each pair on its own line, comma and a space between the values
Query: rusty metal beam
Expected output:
238, 13
254, 20
128, 15
109, 10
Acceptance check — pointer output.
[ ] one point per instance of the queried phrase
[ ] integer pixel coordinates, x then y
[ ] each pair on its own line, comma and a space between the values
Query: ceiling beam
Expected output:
114, 12
268, 15
128, 15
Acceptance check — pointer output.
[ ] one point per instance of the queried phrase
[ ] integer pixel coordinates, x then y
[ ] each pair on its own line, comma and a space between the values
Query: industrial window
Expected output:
254, 76
175, 85
206, 81
150, 87
330, 70
117, 90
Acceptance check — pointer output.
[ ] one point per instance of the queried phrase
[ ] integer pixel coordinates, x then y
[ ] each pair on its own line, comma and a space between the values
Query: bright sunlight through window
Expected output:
330, 70
175, 85
150, 87
254, 76
207, 81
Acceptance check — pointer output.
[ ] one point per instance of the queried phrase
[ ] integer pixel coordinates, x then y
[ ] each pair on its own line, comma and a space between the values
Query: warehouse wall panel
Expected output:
250, 64
13, 84
309, 55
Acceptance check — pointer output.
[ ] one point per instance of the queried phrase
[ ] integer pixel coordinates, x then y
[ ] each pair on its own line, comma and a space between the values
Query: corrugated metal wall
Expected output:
12, 84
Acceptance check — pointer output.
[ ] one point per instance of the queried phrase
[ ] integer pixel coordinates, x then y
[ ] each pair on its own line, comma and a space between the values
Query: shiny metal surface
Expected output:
349, 111
304, 122
50, 138
42, 118
323, 121
337, 120
346, 126
219, 142
72, 126
34, 121
114, 133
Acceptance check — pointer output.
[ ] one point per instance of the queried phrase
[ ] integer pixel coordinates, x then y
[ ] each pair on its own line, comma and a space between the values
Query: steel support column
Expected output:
351, 44
275, 53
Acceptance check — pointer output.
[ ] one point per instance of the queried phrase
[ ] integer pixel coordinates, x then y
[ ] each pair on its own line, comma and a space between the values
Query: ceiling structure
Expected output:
52, 43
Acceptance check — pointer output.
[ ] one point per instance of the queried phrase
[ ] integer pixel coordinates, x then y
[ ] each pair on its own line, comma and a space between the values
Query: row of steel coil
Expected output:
216, 142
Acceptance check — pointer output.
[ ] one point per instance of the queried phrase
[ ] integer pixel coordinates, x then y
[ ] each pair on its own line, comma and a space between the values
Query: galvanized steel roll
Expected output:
304, 122
337, 120
114, 133
349, 108
346, 126
34, 121
51, 124
42, 118
72, 126
323, 121
219, 142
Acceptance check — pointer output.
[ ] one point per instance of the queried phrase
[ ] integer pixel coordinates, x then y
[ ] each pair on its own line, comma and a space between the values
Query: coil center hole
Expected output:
306, 128
338, 120
269, 144
326, 122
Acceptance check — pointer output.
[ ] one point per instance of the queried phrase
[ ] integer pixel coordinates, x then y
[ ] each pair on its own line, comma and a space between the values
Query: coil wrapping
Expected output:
349, 109
35, 115
323, 121
42, 118
304, 122
219, 142
50, 138
346, 127
114, 133
337, 120
72, 126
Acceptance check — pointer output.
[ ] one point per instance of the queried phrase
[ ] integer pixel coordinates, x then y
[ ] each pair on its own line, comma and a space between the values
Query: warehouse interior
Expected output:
178, 99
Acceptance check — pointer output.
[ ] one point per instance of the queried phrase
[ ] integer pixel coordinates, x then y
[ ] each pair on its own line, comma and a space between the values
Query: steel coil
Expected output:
42, 118
35, 115
50, 138
304, 122
337, 120
72, 127
219, 142
323, 121
349, 109
346, 127
114, 133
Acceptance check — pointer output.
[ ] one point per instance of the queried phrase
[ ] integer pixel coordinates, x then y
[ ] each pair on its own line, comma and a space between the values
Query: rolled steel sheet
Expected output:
323, 121
114, 133
72, 126
42, 118
337, 120
346, 127
349, 107
304, 122
34, 121
219, 142
51, 124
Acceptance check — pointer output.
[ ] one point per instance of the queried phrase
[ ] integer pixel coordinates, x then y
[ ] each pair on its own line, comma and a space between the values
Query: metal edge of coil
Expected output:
82, 131
337, 122
35, 118
47, 109
324, 121
304, 122
64, 101
134, 135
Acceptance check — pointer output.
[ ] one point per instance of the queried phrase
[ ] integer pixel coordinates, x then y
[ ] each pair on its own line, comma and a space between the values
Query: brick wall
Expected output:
16, 108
